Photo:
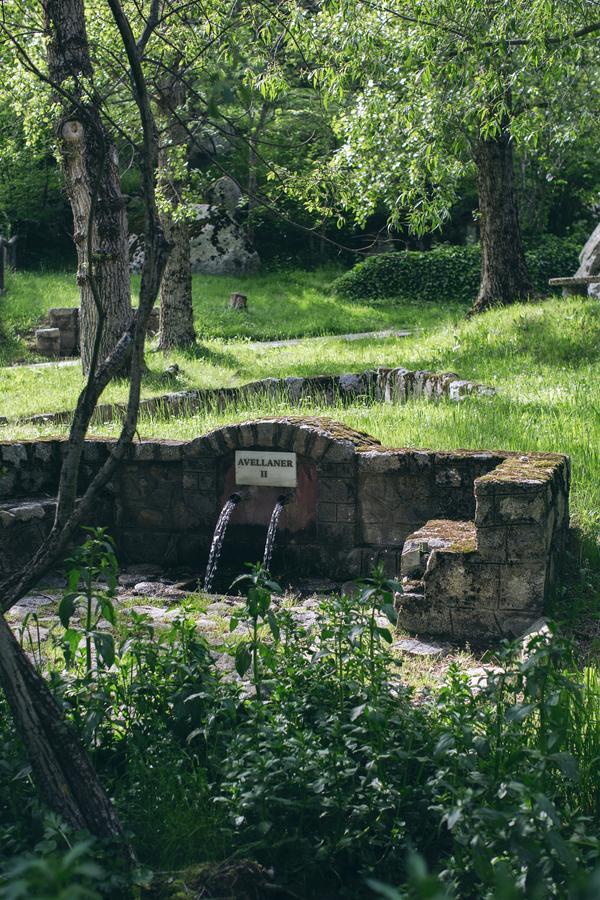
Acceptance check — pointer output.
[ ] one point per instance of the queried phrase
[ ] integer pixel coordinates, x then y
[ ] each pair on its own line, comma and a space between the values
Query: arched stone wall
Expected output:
477, 534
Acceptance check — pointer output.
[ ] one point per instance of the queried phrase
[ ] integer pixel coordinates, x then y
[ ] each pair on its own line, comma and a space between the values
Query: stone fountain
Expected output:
476, 536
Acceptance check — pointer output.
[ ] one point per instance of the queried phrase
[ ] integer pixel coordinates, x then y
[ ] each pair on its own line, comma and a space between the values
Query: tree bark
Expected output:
504, 274
90, 166
176, 328
63, 773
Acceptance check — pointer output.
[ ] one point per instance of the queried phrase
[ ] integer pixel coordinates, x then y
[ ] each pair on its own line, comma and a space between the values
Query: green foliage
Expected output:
418, 88
259, 617
329, 771
72, 874
91, 589
66, 865
448, 272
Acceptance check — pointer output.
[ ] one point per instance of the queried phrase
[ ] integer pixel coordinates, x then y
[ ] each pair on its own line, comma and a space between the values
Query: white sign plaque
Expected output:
265, 468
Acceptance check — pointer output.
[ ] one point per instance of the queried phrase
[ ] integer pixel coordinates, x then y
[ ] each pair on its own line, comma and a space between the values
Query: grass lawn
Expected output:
281, 304
543, 359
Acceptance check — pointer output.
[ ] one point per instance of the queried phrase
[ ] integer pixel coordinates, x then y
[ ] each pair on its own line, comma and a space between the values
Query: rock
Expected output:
7, 518
136, 254
28, 511
538, 632
226, 194
589, 260
480, 675
149, 588
51, 580
420, 648
47, 341
350, 384
66, 319
31, 603
218, 244
156, 613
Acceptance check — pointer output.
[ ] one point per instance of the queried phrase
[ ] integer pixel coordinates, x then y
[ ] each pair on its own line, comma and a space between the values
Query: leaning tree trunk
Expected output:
90, 167
176, 310
504, 275
63, 773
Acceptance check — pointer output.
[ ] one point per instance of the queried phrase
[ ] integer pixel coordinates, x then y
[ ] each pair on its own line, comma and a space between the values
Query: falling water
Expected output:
281, 501
217, 541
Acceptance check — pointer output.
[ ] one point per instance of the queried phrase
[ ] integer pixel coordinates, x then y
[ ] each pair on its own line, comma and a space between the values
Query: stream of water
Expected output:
271, 533
217, 541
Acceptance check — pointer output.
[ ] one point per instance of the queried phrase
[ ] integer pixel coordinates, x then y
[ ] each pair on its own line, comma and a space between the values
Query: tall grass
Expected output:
543, 359
281, 304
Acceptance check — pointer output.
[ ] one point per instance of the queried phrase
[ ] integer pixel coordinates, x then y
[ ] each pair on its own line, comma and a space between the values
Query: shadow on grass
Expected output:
575, 603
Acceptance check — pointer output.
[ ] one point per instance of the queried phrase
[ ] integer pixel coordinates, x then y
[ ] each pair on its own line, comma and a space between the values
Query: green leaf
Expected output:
519, 712
108, 610
390, 611
357, 711
566, 763
273, 624
243, 658
66, 608
453, 817
105, 647
71, 641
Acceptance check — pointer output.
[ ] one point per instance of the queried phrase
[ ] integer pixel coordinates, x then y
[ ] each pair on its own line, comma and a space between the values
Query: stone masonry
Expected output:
396, 385
475, 536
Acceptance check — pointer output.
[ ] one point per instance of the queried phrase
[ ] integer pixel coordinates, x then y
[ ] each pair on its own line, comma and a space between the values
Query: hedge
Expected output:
448, 272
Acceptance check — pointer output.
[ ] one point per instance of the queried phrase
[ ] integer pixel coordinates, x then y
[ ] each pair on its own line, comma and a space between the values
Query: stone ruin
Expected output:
219, 244
589, 261
475, 536
60, 336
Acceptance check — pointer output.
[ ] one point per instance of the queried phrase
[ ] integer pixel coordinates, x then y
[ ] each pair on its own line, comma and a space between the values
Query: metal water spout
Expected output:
217, 541
274, 522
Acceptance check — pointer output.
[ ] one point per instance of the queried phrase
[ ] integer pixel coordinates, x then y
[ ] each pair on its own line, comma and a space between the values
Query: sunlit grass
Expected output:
543, 359
281, 304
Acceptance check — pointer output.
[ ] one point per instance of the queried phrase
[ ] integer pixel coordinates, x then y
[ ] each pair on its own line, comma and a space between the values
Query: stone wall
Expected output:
476, 535
491, 576
61, 335
386, 385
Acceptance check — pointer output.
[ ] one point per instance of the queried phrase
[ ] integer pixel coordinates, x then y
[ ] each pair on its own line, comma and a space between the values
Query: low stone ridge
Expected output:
476, 535
385, 385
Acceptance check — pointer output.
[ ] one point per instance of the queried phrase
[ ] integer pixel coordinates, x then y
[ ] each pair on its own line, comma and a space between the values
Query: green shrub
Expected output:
448, 272
321, 765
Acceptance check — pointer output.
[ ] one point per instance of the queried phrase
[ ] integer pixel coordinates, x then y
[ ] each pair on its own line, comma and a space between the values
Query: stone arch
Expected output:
321, 509
307, 436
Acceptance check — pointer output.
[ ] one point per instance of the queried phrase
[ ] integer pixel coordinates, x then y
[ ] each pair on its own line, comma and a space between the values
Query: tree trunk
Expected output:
63, 773
504, 275
90, 166
176, 309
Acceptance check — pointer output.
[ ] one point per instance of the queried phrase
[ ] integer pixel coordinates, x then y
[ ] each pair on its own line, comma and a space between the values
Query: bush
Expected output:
449, 272
320, 766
